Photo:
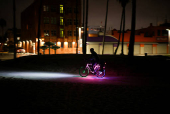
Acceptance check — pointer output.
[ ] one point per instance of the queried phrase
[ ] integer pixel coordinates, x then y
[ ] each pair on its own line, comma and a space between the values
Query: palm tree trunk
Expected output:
76, 27
39, 23
133, 24
123, 31
14, 9
119, 33
105, 26
85, 39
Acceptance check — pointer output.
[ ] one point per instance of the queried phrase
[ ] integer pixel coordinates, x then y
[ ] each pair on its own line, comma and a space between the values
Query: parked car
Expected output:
20, 50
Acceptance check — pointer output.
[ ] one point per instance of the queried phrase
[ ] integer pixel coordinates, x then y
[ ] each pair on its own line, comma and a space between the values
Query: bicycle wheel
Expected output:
83, 71
99, 73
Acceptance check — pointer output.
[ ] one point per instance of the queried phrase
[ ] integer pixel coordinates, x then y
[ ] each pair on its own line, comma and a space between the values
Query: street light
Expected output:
168, 40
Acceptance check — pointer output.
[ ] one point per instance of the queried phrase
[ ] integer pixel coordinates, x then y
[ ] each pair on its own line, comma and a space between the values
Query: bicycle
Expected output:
84, 70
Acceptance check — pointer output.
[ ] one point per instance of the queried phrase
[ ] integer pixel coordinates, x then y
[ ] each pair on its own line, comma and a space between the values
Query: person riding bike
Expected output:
94, 58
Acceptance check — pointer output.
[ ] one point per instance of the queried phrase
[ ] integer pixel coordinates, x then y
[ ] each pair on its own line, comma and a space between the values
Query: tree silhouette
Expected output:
123, 4
49, 44
133, 24
43, 48
105, 25
14, 29
55, 48
2, 25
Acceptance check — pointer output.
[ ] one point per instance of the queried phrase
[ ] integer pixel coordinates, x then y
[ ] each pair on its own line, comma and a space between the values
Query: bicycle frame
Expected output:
95, 66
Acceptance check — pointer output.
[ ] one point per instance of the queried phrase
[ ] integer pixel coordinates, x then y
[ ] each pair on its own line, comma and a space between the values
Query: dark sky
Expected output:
148, 11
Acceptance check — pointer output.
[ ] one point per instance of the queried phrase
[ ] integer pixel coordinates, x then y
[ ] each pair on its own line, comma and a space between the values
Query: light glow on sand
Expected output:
35, 75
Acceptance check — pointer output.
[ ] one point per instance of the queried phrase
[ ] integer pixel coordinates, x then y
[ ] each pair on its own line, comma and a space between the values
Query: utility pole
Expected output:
76, 27
39, 23
85, 39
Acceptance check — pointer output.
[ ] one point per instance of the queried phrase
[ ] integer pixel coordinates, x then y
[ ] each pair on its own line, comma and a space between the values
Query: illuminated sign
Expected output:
161, 38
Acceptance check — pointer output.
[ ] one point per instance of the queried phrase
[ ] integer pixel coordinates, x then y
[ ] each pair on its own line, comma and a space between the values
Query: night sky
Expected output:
148, 11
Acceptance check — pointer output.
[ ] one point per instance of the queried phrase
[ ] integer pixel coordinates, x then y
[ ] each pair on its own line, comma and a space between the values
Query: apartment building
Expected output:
57, 25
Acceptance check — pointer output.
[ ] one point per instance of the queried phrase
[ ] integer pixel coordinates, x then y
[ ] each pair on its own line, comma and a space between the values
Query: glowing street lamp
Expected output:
168, 40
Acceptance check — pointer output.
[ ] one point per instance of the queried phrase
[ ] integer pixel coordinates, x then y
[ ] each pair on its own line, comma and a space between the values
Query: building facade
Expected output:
57, 25
151, 40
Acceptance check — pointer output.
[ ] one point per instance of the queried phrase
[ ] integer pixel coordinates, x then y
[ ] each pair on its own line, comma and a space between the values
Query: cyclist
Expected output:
94, 58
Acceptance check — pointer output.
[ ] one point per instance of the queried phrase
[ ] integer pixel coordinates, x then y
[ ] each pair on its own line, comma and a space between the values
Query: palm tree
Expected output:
105, 25
120, 31
43, 48
133, 24
123, 4
55, 47
2, 25
14, 29
49, 44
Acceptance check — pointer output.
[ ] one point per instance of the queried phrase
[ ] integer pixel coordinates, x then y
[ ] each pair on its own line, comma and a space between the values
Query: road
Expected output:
90, 79
7, 56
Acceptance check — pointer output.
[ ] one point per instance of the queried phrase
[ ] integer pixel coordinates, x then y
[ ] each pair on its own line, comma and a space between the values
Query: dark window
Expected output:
74, 33
46, 20
159, 33
53, 9
62, 44
164, 33
69, 21
53, 20
69, 10
69, 33
76, 10
53, 33
69, 44
146, 34
75, 22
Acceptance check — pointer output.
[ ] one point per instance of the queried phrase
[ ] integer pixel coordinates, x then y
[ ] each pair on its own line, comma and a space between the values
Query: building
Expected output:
57, 25
151, 40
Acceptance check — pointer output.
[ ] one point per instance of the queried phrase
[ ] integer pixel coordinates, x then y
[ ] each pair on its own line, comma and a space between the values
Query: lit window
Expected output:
45, 8
18, 38
61, 20
61, 32
69, 44
61, 8
46, 32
